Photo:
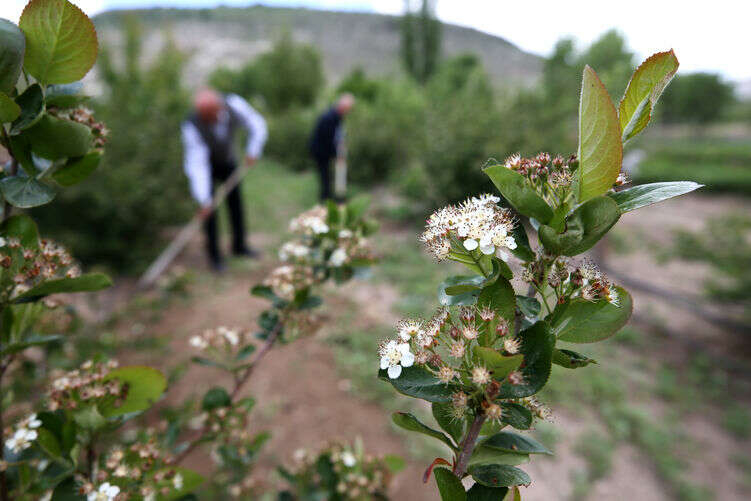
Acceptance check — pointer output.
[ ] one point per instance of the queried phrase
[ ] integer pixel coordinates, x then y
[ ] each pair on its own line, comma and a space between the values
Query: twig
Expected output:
468, 445
239, 383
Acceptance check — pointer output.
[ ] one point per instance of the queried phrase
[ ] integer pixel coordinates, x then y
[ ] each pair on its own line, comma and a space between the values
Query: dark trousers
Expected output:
324, 171
220, 173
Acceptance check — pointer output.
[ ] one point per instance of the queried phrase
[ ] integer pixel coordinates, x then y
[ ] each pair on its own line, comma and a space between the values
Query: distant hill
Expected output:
231, 36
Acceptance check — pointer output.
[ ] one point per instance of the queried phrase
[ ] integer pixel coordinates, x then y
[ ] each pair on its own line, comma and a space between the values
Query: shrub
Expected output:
289, 135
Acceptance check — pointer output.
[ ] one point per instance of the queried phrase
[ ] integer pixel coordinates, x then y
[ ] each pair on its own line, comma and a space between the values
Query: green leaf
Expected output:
394, 463
501, 366
88, 282
9, 110
207, 362
529, 306
215, 398
499, 475
500, 297
410, 422
31, 103
61, 42
460, 299
67, 490
89, 417
28, 341
355, 209
516, 415
191, 481
12, 47
418, 382
245, 352
77, 169
449, 485
600, 149
65, 95
537, 343
489, 455
513, 442
21, 149
519, 193
648, 194
584, 227
643, 91
25, 192
145, 386
582, 321
479, 492
23, 228
48, 442
55, 138
570, 359
442, 413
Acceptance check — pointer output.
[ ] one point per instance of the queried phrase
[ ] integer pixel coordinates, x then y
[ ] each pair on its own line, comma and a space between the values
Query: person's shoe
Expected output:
248, 252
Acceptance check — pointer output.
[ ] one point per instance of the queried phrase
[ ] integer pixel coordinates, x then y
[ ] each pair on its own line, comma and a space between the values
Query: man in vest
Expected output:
208, 139
327, 138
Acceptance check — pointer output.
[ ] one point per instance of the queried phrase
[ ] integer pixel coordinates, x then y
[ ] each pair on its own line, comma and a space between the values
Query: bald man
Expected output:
327, 138
208, 139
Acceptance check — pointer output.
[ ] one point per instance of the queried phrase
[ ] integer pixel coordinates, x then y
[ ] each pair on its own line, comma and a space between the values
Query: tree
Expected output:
421, 41
699, 98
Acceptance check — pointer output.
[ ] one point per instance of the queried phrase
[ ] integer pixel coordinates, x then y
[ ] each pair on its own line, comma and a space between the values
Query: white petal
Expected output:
403, 348
470, 244
395, 371
487, 249
384, 362
510, 243
408, 359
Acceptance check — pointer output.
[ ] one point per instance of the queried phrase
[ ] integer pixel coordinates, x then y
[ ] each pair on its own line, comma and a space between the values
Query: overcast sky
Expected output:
707, 36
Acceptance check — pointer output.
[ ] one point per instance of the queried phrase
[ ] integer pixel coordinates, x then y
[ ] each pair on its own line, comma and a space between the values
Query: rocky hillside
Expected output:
231, 36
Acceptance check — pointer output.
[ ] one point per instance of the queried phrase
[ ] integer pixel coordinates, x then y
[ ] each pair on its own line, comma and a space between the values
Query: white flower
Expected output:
486, 245
106, 492
394, 356
348, 459
338, 257
177, 481
470, 244
408, 329
319, 227
199, 342
345, 233
2, 242
230, 335
21, 440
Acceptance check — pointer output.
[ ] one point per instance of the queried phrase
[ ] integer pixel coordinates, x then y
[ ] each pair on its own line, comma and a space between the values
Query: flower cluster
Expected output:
551, 178
477, 223
221, 338
585, 281
286, 280
87, 384
445, 345
24, 435
357, 475
311, 222
23, 267
84, 116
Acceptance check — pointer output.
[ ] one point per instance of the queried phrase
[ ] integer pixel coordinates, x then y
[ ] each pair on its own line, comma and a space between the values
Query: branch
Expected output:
239, 383
468, 446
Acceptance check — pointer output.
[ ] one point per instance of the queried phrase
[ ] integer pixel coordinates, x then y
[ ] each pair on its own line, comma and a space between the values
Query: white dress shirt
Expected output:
196, 153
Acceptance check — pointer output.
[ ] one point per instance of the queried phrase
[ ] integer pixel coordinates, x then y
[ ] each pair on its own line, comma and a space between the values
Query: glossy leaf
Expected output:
516, 415
23, 228
65, 95
500, 297
145, 386
443, 415
410, 422
28, 341
514, 442
55, 138
418, 382
31, 103
499, 365
9, 110
519, 193
461, 298
77, 169
537, 343
499, 475
25, 192
12, 47
582, 321
643, 91
489, 455
61, 42
600, 149
584, 227
215, 398
648, 194
570, 359
88, 282
449, 485
479, 492
48, 442
529, 306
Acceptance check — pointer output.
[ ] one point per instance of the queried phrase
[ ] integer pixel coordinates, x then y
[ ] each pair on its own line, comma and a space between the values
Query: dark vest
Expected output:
221, 149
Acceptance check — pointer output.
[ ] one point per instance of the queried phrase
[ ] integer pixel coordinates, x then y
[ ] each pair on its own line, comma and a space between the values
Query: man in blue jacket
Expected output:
327, 138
